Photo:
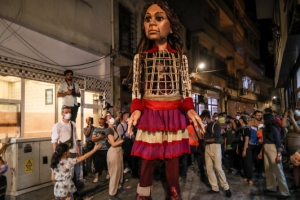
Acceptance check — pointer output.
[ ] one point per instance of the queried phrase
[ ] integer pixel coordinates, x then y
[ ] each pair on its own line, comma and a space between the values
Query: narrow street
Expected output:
194, 189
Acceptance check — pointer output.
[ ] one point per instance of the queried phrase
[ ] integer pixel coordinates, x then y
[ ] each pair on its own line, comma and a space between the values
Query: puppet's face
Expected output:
156, 23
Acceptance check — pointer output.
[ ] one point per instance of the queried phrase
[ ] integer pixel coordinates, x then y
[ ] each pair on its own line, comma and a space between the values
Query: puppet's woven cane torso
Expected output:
162, 126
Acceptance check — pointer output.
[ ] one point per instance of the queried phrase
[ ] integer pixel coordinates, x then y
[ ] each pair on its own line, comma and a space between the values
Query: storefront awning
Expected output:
21, 43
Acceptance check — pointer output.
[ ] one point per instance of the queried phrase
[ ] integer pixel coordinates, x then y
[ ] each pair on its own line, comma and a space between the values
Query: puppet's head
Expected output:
159, 24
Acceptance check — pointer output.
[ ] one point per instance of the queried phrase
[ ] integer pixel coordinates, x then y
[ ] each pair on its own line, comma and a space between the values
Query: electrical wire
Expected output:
21, 8
20, 38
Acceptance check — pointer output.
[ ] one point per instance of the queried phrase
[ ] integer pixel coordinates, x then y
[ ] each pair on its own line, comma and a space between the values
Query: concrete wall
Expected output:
71, 21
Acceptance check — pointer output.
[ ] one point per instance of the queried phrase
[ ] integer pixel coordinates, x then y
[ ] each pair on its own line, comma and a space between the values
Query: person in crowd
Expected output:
271, 152
231, 145
197, 151
244, 150
122, 130
213, 156
62, 167
215, 117
295, 160
237, 115
257, 124
114, 159
222, 119
293, 156
88, 133
278, 120
161, 105
69, 91
3, 170
64, 131
100, 156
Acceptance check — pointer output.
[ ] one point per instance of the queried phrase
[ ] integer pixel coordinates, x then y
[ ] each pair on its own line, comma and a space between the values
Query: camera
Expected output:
74, 93
108, 106
92, 120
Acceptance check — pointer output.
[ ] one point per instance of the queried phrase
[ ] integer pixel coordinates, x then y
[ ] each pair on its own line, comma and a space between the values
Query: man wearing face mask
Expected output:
64, 131
213, 155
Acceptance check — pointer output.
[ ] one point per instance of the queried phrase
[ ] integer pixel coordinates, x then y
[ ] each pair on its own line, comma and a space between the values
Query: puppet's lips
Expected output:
152, 31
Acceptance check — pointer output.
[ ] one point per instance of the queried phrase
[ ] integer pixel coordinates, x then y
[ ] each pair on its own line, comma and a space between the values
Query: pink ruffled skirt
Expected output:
161, 134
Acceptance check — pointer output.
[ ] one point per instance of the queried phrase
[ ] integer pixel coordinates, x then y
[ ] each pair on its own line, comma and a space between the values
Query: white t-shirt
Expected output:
68, 100
61, 132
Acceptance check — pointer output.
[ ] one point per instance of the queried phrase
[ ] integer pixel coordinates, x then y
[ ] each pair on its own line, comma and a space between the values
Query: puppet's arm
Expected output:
136, 94
186, 87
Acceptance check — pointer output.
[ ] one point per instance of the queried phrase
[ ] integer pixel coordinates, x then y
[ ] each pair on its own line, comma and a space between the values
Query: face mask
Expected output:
204, 121
111, 121
216, 118
237, 117
127, 120
67, 116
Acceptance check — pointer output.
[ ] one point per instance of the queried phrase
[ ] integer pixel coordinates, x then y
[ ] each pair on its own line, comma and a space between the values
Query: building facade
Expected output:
41, 39
285, 46
223, 47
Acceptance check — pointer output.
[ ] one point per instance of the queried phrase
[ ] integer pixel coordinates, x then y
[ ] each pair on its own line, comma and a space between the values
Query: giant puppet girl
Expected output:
162, 102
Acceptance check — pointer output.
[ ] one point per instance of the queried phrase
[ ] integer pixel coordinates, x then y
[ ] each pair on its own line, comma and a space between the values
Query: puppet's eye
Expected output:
159, 18
147, 19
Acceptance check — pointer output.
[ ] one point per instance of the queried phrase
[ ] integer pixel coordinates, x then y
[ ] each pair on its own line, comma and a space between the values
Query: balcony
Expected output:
250, 48
211, 37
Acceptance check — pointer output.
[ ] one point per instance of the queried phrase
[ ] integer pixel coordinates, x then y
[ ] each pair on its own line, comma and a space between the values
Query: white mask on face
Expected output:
111, 121
67, 116
237, 117
127, 120
216, 118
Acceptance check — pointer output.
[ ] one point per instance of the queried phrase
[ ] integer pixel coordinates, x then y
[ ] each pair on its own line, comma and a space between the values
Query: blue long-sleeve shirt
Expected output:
273, 138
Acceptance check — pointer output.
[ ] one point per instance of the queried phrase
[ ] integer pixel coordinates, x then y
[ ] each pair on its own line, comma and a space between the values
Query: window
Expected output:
213, 106
209, 16
127, 31
246, 81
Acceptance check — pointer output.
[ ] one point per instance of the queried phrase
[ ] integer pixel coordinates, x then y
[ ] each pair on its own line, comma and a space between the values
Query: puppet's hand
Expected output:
133, 120
196, 119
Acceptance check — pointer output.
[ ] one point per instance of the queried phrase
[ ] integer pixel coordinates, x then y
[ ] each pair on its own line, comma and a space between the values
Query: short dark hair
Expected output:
268, 110
68, 71
229, 117
244, 118
122, 115
257, 111
205, 113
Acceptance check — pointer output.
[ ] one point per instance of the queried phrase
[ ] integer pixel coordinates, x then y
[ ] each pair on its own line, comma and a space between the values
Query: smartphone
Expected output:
92, 120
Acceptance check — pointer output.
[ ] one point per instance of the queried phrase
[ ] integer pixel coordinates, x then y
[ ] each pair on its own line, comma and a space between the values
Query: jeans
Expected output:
74, 111
100, 162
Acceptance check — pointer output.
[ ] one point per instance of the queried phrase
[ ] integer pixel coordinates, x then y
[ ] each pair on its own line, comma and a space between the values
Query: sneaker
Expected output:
107, 176
113, 198
126, 170
269, 191
228, 193
212, 191
95, 180
122, 190
284, 196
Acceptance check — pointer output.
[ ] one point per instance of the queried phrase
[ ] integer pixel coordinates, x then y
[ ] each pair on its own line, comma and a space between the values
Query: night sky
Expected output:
264, 26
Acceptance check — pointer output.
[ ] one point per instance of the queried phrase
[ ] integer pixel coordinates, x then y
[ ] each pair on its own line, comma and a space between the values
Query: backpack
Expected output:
253, 136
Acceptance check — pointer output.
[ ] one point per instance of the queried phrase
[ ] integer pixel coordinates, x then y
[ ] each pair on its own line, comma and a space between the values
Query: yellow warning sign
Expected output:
28, 166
